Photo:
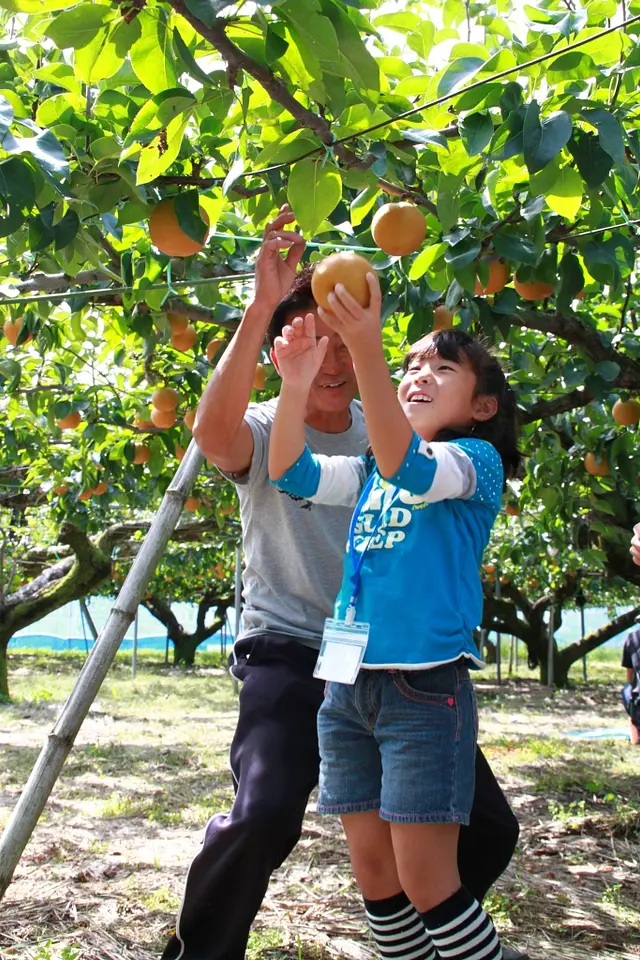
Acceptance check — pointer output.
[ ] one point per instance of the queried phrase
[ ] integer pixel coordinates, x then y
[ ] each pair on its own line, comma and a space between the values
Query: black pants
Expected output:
275, 762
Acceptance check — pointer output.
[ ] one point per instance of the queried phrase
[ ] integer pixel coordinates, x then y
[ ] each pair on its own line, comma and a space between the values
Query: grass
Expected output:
104, 876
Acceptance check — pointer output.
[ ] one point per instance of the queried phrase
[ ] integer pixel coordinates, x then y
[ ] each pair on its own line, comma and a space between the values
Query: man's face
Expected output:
335, 385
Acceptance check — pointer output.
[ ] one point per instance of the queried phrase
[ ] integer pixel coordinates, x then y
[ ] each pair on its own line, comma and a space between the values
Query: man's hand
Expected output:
635, 545
299, 354
275, 274
357, 326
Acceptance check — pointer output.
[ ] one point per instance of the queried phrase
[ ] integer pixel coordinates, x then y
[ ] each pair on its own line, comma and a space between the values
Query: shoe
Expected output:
508, 953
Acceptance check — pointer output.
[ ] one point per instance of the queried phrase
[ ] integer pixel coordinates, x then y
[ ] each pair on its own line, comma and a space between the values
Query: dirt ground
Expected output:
102, 876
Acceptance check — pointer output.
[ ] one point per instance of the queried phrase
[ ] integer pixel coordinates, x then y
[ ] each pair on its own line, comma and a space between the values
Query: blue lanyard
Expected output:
357, 557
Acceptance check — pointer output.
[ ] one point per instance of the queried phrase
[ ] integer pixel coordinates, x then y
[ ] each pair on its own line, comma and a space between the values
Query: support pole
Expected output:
551, 647
238, 600
498, 635
584, 659
47, 768
134, 653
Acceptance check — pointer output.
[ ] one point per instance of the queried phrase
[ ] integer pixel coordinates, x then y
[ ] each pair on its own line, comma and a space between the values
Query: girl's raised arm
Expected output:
298, 357
390, 433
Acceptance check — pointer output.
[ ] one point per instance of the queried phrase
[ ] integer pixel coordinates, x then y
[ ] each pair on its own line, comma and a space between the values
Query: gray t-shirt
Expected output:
293, 548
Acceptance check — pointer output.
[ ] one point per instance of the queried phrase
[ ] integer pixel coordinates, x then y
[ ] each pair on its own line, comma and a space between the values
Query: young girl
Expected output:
398, 726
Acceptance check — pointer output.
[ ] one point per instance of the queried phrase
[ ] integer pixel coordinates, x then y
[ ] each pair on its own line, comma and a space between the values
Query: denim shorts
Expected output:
402, 742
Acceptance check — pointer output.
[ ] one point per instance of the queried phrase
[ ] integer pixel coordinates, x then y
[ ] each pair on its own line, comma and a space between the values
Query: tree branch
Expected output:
572, 330
596, 638
49, 283
549, 408
237, 59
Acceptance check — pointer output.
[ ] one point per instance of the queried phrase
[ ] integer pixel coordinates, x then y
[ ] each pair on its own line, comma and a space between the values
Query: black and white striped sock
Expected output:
398, 930
461, 930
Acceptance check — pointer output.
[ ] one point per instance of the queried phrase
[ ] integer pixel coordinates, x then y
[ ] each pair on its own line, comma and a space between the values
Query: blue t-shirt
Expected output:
423, 533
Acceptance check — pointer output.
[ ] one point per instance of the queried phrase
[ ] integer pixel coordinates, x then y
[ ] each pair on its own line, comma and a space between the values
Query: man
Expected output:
631, 689
293, 551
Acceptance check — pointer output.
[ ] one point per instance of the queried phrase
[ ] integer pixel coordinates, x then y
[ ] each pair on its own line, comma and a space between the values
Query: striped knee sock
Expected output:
461, 930
398, 930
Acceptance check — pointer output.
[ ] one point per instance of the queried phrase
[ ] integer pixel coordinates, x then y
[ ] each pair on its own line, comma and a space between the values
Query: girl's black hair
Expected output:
298, 300
501, 430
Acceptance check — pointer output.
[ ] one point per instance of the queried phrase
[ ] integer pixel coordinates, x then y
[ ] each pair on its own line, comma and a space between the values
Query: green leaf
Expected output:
6, 117
187, 208
476, 131
188, 61
464, 253
275, 45
420, 324
314, 33
608, 370
154, 160
76, 28
157, 112
10, 372
454, 295
151, 55
40, 231
204, 10
593, 162
425, 259
508, 139
550, 496
60, 74
314, 191
65, 230
400, 22
457, 73
105, 54
362, 204
430, 137
512, 246
511, 98
609, 133
571, 281
565, 197
285, 149
235, 172
543, 141
36, 6
362, 67
45, 149
448, 202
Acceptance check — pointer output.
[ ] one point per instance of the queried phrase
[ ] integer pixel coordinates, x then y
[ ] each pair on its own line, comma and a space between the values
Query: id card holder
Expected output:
341, 651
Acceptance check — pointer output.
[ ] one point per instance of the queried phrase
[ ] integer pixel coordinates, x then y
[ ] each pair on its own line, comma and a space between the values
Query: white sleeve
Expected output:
455, 476
341, 480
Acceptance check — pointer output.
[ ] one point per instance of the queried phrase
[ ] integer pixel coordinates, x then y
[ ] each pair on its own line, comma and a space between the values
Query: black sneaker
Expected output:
509, 953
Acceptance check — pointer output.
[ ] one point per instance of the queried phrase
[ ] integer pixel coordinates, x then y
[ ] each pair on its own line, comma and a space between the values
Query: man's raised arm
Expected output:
220, 430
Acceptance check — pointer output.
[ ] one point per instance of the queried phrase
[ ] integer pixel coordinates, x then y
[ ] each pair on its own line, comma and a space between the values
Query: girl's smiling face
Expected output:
437, 394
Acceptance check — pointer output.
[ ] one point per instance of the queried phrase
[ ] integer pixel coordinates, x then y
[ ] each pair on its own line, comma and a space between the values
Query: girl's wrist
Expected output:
294, 391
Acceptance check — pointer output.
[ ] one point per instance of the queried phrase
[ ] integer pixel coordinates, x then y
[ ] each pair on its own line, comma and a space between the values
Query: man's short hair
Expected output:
297, 301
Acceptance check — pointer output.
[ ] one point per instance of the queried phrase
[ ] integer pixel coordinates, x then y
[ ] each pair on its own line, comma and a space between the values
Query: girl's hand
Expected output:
299, 354
356, 325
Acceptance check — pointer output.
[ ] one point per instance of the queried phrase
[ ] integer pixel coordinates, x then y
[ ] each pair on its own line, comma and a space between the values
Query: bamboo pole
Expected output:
56, 748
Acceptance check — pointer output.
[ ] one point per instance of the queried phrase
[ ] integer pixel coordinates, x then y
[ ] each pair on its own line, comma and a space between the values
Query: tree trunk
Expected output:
58, 585
185, 644
184, 647
4, 680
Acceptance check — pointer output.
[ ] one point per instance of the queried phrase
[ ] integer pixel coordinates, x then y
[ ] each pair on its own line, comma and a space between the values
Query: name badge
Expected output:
341, 651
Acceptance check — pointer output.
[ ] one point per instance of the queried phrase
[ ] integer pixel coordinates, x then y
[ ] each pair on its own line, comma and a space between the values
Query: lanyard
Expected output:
357, 557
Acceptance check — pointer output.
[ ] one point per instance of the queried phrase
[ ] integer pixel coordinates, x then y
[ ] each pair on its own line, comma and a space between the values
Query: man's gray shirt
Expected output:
293, 548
